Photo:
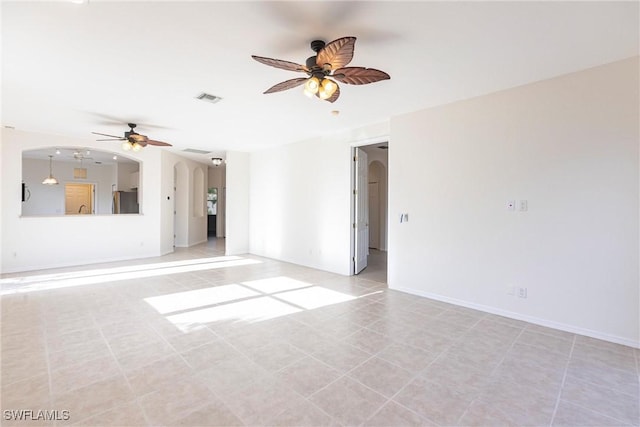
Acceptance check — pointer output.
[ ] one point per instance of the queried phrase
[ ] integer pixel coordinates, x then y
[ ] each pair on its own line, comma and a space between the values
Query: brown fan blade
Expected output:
279, 63
333, 98
136, 137
159, 143
111, 139
288, 84
337, 54
104, 134
359, 75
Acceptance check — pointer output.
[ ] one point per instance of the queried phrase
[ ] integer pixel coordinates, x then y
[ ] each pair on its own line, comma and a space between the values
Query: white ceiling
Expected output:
70, 69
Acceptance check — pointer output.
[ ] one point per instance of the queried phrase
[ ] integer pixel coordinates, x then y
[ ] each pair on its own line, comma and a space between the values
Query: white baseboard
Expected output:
530, 319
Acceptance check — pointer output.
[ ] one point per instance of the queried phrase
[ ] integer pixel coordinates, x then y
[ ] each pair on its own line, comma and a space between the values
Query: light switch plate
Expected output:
511, 205
523, 205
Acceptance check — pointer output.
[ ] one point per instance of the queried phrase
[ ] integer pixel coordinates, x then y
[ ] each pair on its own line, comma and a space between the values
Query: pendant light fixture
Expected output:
50, 180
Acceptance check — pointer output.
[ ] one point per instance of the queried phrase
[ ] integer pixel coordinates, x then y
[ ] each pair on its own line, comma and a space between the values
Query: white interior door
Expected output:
362, 211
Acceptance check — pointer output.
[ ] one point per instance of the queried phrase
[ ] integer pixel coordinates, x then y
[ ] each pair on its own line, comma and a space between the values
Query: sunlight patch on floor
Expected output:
276, 284
251, 310
250, 301
199, 298
22, 284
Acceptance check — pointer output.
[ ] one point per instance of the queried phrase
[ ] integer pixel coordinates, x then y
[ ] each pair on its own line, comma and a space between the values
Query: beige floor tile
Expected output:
368, 340
483, 414
307, 375
393, 414
229, 376
625, 381
275, 356
192, 339
348, 401
136, 339
214, 413
66, 340
520, 403
427, 339
547, 342
603, 355
606, 401
207, 355
71, 377
341, 356
78, 353
569, 415
31, 393
262, 401
175, 401
381, 376
28, 366
303, 413
93, 399
158, 374
410, 358
143, 356
457, 376
128, 415
435, 402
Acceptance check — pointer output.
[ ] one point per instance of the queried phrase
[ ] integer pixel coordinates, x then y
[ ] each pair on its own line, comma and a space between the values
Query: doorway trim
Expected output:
352, 153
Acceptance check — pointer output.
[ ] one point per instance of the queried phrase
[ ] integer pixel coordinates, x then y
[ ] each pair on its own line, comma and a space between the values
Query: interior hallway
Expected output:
197, 338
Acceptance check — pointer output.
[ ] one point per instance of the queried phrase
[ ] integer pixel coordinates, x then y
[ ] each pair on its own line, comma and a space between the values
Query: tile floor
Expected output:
199, 339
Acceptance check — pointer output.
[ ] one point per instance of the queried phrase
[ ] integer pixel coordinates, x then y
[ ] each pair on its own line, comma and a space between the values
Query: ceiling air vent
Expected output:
209, 98
193, 150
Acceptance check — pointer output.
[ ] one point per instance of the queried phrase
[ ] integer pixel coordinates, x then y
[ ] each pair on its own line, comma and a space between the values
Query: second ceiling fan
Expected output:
132, 140
323, 69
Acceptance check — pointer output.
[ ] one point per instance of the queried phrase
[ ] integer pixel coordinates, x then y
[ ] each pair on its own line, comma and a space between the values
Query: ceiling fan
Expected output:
324, 68
132, 140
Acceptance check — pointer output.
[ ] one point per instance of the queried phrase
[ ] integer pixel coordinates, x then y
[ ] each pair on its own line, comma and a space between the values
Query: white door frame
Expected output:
354, 145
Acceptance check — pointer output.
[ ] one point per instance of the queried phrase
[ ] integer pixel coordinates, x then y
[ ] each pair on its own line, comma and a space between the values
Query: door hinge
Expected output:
354, 225
355, 192
355, 158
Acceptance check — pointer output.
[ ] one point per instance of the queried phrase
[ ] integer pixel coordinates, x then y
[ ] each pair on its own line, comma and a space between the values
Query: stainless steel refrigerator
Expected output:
125, 202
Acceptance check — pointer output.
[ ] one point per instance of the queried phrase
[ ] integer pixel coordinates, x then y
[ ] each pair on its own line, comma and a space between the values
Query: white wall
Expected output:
237, 203
301, 200
30, 243
570, 147
50, 199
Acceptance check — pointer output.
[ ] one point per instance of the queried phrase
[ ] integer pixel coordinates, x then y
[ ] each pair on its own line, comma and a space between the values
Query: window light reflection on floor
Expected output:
254, 301
31, 283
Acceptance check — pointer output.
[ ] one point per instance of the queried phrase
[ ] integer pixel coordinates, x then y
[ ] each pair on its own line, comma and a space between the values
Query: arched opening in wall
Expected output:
181, 205
199, 196
377, 183
71, 181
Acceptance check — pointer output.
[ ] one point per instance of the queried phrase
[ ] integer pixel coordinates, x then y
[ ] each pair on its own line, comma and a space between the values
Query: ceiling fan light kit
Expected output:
132, 141
323, 69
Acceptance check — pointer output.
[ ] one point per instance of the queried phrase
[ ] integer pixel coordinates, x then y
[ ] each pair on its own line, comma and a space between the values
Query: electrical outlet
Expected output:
522, 292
